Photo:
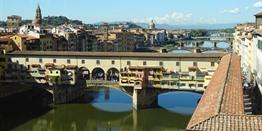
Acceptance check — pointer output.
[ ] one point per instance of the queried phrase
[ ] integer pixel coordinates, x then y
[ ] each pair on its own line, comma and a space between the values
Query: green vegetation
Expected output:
59, 20
49, 20
170, 36
198, 33
2, 23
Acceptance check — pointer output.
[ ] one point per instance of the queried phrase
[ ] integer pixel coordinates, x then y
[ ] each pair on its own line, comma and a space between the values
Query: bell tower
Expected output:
38, 17
38, 13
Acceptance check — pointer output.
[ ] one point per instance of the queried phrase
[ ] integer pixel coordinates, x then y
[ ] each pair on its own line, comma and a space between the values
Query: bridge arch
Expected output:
85, 73
98, 74
112, 74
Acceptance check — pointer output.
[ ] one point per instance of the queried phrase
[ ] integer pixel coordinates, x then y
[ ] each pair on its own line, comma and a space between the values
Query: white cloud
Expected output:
258, 4
175, 17
232, 11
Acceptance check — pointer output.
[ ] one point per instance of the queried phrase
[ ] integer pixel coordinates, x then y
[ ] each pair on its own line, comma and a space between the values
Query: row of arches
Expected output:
98, 73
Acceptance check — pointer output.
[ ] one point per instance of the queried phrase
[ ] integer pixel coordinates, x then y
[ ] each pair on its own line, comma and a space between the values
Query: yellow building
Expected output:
18, 42
54, 74
149, 75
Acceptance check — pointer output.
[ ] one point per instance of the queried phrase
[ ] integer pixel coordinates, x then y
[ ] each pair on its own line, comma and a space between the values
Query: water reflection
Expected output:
114, 112
179, 102
112, 101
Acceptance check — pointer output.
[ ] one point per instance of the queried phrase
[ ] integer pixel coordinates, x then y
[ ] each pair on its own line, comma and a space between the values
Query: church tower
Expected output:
151, 25
38, 17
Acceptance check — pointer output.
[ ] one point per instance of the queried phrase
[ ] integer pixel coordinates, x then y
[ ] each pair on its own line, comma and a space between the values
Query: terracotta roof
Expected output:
31, 38
232, 98
230, 123
5, 38
210, 101
114, 54
222, 106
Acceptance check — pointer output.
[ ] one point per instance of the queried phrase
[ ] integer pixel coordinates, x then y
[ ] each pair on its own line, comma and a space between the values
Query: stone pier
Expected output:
145, 98
64, 94
215, 44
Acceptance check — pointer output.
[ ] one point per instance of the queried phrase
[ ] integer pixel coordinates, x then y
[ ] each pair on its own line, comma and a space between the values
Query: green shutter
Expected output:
260, 44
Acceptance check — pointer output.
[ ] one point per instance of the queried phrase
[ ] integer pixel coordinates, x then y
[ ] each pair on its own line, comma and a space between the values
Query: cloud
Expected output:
246, 8
232, 11
258, 4
175, 17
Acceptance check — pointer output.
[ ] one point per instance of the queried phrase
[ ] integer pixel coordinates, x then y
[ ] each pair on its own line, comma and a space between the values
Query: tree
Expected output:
198, 33
170, 36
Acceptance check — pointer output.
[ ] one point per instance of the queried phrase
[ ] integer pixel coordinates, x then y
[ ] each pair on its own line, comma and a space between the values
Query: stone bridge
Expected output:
97, 68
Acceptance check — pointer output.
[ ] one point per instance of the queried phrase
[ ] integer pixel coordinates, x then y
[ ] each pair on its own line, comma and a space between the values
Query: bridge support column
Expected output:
215, 44
197, 44
181, 44
145, 98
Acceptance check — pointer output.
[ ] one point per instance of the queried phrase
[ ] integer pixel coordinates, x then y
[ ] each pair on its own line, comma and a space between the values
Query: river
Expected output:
104, 109
206, 44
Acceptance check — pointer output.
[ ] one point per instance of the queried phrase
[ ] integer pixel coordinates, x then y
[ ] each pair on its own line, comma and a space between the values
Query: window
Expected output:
40, 60
144, 63
128, 63
182, 84
200, 85
54, 60
259, 45
161, 63
68, 61
26, 59
98, 62
83, 62
112, 62
192, 85
212, 63
194, 63
177, 63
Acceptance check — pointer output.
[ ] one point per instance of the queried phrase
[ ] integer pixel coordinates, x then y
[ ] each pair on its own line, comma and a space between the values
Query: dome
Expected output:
36, 22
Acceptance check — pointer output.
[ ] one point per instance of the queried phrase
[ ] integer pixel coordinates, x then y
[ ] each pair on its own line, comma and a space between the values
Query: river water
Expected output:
104, 109
206, 44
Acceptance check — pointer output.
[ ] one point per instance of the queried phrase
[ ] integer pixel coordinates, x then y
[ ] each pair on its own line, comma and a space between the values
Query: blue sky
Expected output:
175, 12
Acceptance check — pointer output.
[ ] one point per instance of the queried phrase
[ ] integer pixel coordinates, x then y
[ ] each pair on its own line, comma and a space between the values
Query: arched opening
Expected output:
112, 74
182, 102
223, 45
85, 73
98, 74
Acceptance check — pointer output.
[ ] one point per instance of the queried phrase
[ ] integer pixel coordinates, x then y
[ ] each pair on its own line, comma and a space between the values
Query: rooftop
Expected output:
222, 106
258, 14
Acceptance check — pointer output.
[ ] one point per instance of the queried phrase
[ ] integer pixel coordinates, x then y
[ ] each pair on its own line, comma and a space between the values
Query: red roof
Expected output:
222, 106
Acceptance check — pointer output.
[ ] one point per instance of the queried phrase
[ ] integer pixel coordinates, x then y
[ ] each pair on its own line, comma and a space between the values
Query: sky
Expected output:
173, 12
